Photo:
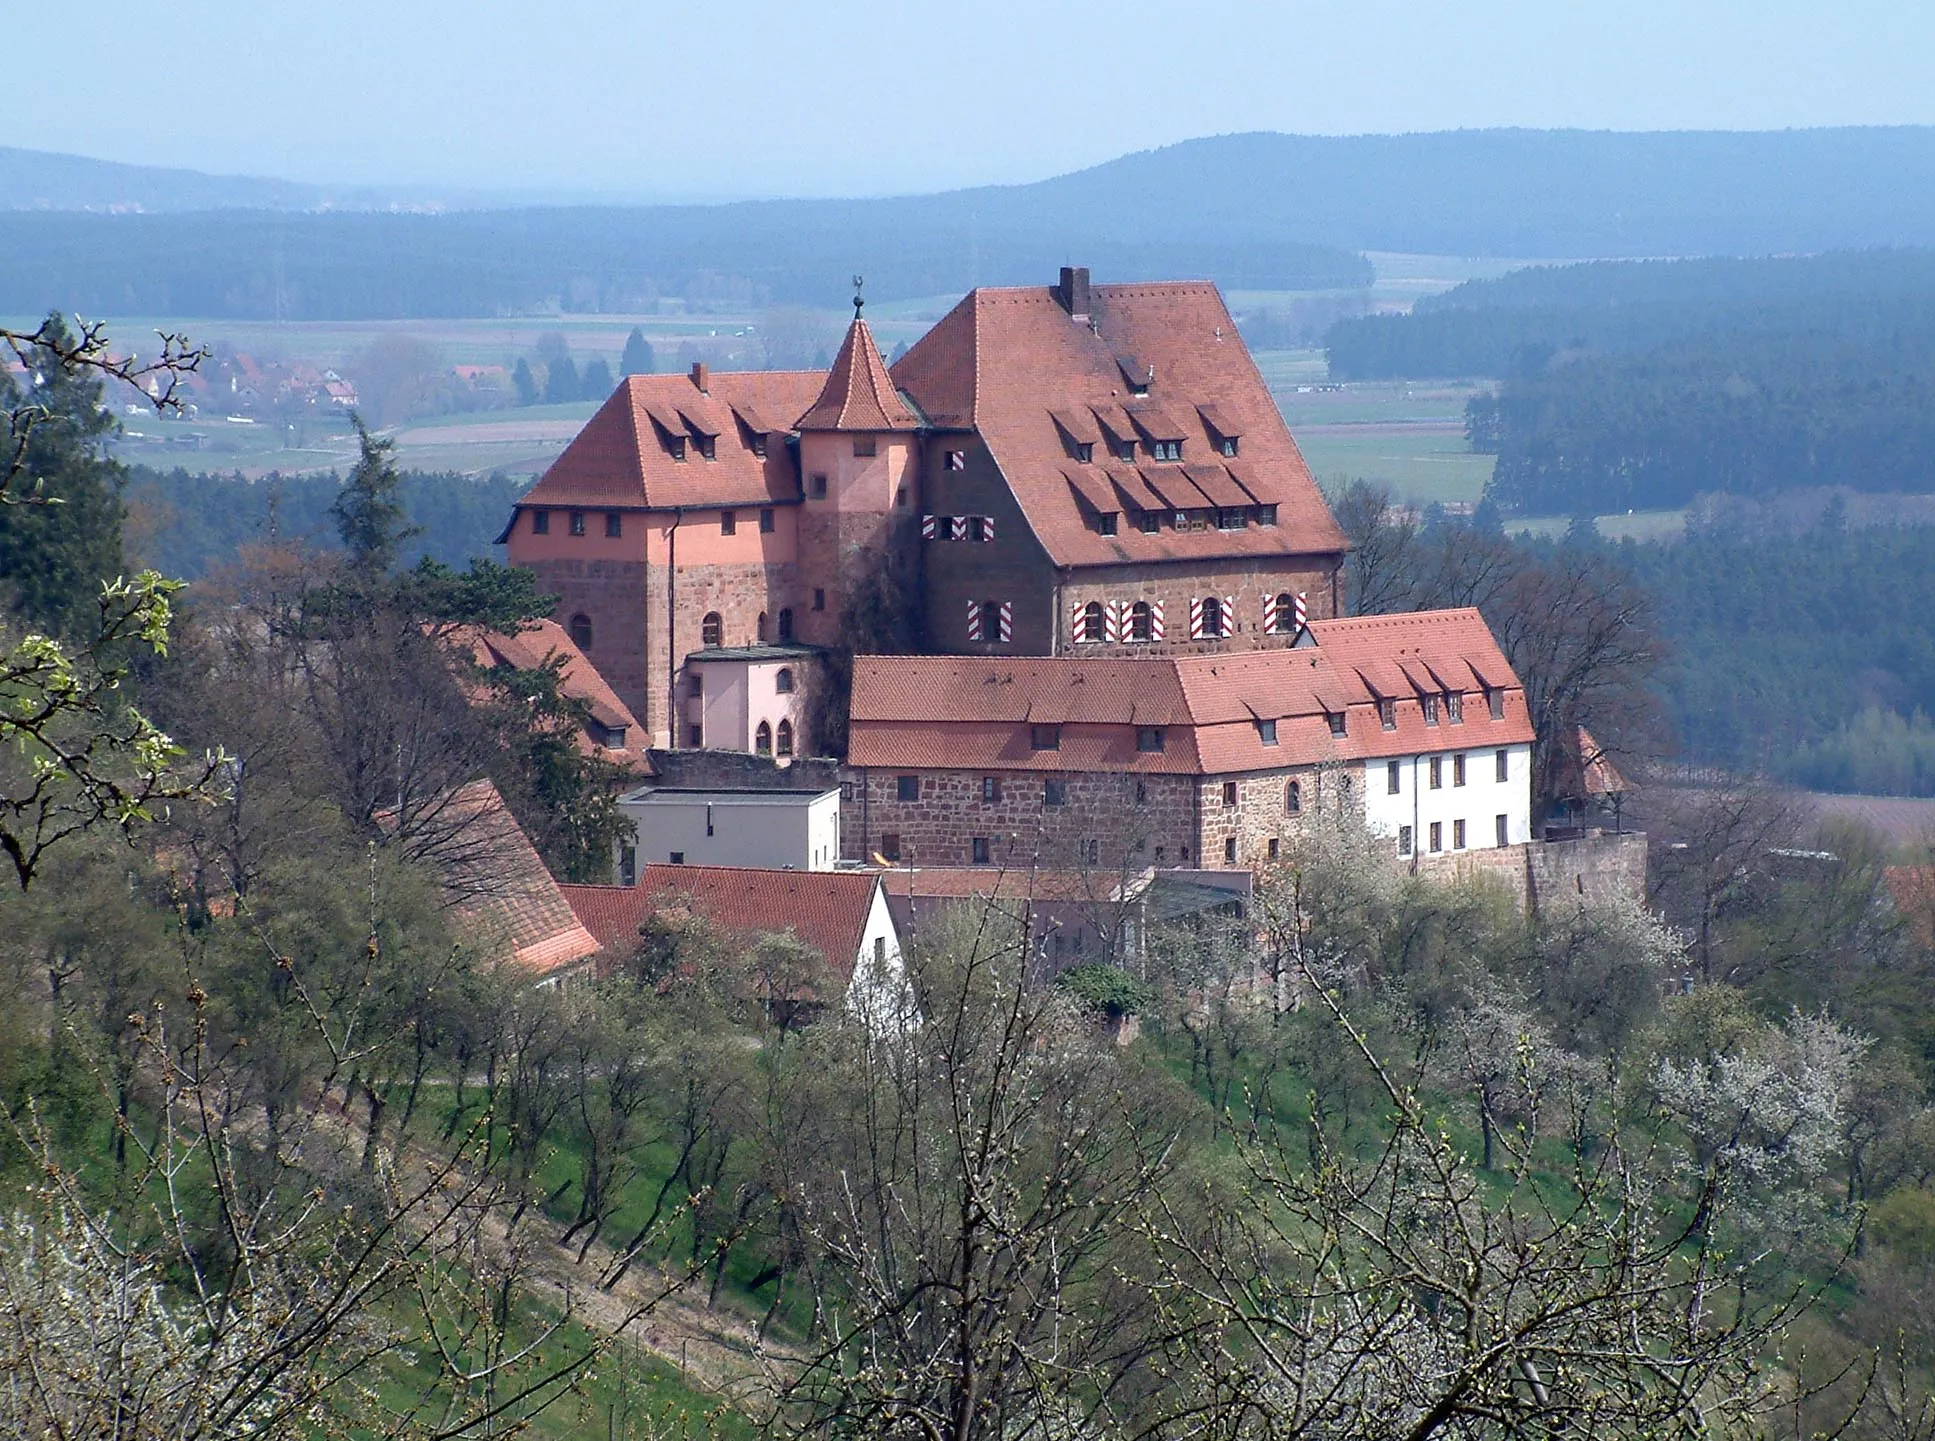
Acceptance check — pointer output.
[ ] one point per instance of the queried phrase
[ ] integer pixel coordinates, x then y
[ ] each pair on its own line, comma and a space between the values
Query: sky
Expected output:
736, 98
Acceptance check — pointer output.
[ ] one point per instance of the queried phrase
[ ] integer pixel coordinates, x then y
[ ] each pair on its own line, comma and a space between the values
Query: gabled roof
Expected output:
537, 645
1009, 362
826, 909
969, 712
624, 456
501, 888
858, 394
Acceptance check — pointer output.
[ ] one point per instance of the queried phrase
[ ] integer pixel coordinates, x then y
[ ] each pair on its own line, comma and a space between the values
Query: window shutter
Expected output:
1114, 619
1155, 620
1196, 618
1075, 630
957, 527
974, 620
929, 525
1269, 613
1007, 621
1229, 615
987, 527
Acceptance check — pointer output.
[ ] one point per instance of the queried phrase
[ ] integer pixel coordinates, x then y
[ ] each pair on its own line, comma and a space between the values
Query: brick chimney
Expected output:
701, 377
1073, 291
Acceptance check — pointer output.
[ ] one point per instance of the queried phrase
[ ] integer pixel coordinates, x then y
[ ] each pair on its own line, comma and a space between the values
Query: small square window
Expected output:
1229, 850
907, 788
677, 858
1151, 522
1045, 737
1148, 738
1457, 835
1276, 848
1085, 450
1404, 840
1504, 763
1387, 714
1054, 793
819, 598
540, 522
1504, 825
577, 522
1437, 835
1229, 446
1106, 523
956, 460
816, 486
978, 850
1266, 732
890, 846
990, 789
1393, 777
766, 520
614, 525
1336, 719
1458, 769
1437, 773
1229, 793
865, 445
728, 523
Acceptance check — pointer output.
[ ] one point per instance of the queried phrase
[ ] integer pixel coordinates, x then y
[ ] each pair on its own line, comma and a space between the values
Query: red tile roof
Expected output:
975, 712
858, 394
624, 455
1013, 365
537, 645
502, 890
826, 909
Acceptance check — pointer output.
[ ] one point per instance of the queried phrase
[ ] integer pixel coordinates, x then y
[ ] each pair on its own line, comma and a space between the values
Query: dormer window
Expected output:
759, 445
1429, 703
1266, 732
1336, 719
1455, 707
1387, 714
1085, 451
1125, 450
1045, 737
1266, 515
1231, 518
1106, 523
709, 446
1166, 449
677, 447
1151, 522
1228, 447
1148, 738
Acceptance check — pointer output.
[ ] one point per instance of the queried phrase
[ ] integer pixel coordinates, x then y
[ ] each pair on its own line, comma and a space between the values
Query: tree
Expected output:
638, 358
398, 376
561, 383
596, 383
369, 513
524, 382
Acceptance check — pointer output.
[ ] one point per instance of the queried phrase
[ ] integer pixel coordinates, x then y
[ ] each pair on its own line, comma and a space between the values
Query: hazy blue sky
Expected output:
848, 97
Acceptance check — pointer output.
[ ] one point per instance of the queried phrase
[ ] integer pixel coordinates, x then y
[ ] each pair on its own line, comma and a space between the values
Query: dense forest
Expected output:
185, 523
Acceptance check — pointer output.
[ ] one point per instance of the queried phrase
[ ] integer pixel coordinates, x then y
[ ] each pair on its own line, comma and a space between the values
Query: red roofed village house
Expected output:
1416, 722
1051, 470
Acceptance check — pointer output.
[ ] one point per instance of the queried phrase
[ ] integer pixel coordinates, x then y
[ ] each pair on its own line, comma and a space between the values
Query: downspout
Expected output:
671, 629
1055, 620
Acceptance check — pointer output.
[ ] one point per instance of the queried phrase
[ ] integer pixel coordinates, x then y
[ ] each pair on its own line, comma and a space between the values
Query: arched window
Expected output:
1293, 798
759, 628
580, 629
786, 624
1212, 616
1091, 626
712, 630
783, 681
763, 739
1284, 617
783, 742
1141, 621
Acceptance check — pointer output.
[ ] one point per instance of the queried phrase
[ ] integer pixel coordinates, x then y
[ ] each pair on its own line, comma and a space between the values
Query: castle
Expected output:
1058, 470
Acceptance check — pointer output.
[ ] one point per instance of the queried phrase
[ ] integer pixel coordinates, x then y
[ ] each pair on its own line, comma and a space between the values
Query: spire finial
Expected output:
858, 299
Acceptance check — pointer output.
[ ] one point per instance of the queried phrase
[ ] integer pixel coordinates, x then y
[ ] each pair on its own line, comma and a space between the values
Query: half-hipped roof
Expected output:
1145, 363
967, 712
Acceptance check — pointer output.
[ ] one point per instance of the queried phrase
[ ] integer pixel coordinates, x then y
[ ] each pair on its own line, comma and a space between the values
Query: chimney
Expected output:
701, 377
1073, 291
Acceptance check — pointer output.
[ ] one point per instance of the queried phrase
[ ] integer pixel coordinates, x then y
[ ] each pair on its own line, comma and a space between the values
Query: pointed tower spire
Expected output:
858, 394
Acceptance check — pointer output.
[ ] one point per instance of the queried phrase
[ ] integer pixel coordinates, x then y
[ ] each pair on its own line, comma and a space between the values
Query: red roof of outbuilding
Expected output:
826, 909
1008, 362
537, 645
624, 455
858, 394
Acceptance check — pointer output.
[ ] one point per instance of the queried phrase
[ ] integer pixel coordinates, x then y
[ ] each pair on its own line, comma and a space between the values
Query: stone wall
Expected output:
1262, 813
1543, 875
1251, 580
689, 770
612, 593
1108, 821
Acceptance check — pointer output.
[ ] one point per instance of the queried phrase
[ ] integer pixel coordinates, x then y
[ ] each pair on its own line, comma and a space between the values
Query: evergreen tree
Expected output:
638, 358
369, 512
525, 382
62, 540
597, 382
561, 383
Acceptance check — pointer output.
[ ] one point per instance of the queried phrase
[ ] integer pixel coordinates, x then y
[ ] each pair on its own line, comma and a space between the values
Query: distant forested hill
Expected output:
184, 523
1259, 211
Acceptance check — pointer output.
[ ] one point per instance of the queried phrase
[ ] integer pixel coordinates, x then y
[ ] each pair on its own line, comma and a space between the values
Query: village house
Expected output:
1414, 722
1052, 470
610, 732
